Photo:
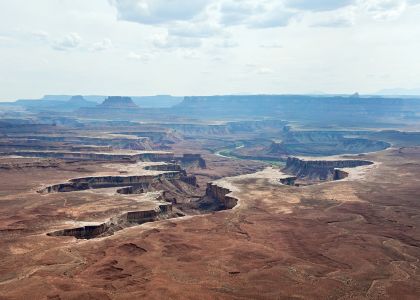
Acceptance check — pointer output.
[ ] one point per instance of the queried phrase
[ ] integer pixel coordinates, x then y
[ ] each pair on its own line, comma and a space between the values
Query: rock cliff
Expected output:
220, 194
100, 156
97, 182
228, 127
321, 169
128, 219
316, 143
192, 160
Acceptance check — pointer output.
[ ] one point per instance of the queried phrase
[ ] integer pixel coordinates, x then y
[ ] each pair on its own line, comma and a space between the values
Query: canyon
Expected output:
314, 170
174, 203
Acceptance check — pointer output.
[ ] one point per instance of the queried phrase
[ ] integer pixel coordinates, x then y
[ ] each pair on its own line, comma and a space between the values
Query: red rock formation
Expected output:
220, 194
321, 169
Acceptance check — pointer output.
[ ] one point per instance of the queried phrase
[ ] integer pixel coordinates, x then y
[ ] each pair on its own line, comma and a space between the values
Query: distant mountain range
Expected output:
70, 103
322, 110
63, 104
326, 110
399, 92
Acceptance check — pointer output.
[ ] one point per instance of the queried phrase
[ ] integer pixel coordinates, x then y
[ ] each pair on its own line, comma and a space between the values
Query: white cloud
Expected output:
189, 29
374, 37
168, 42
190, 54
40, 35
187, 22
258, 69
384, 9
272, 45
318, 5
262, 14
140, 56
339, 18
264, 71
5, 39
102, 45
227, 43
68, 42
158, 11
333, 22
236, 12
275, 16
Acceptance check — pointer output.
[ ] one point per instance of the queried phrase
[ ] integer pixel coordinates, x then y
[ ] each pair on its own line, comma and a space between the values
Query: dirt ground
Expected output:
353, 239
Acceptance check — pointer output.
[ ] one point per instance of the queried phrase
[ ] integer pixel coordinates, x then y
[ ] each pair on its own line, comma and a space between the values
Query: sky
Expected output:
203, 47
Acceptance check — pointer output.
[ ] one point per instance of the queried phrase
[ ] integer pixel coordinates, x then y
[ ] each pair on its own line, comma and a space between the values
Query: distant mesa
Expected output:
115, 106
118, 102
78, 99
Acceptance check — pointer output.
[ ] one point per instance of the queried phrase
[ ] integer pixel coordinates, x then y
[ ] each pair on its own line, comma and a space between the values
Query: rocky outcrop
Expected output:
38, 142
79, 101
309, 143
159, 184
174, 185
227, 128
97, 182
276, 148
142, 216
137, 189
191, 180
84, 232
220, 194
157, 137
339, 174
156, 156
128, 219
288, 180
164, 167
192, 160
76, 155
105, 156
118, 102
321, 169
113, 107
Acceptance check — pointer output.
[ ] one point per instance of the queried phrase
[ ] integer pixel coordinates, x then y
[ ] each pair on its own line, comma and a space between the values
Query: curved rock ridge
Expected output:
63, 141
169, 184
323, 143
128, 219
97, 182
323, 170
101, 156
164, 167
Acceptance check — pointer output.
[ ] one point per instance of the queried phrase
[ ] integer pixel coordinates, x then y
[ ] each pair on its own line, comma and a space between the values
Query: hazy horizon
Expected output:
385, 93
144, 47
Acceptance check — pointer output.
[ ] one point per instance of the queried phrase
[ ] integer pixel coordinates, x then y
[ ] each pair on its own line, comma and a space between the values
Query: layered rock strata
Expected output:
128, 219
101, 156
194, 160
97, 182
221, 195
118, 141
321, 169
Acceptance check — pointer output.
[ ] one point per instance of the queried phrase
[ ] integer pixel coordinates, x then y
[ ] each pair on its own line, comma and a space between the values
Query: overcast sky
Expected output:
201, 47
